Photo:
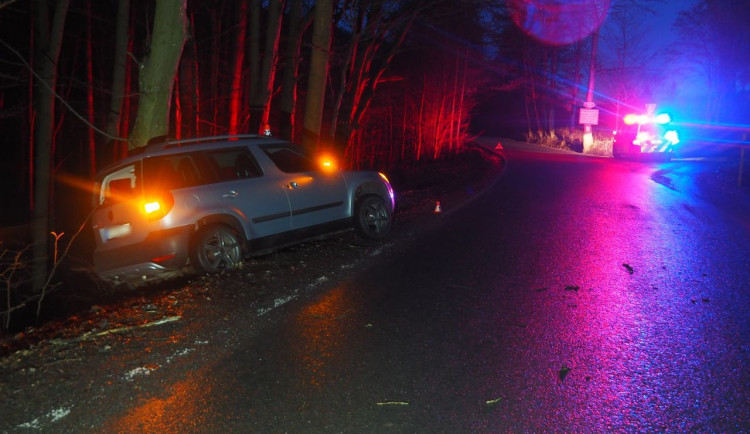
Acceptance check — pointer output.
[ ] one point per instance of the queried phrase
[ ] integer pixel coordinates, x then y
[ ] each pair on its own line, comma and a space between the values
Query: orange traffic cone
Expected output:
438, 210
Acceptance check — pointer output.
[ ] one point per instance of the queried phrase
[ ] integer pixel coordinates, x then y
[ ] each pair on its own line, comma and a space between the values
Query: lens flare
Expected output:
662, 118
559, 22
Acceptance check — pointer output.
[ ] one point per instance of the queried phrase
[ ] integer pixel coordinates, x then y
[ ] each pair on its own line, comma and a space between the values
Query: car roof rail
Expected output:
161, 143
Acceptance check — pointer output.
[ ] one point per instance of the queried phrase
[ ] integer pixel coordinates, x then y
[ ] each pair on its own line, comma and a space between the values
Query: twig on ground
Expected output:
92, 335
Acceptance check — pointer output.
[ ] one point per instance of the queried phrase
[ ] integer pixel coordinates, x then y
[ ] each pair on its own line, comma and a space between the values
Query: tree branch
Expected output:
60, 98
7, 3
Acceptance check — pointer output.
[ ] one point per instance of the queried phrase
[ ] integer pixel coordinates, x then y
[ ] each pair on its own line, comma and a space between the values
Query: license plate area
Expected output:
115, 231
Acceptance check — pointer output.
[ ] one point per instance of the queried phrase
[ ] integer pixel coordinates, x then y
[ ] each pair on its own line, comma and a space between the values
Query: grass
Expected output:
564, 138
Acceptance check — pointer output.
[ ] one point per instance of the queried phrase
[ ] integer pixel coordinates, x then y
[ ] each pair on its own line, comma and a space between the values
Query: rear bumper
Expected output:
160, 253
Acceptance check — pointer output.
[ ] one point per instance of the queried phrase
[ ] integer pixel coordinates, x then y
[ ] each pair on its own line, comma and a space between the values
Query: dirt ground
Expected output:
97, 311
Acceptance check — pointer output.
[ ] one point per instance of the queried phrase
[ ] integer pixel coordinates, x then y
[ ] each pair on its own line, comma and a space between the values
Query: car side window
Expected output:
176, 171
232, 164
289, 159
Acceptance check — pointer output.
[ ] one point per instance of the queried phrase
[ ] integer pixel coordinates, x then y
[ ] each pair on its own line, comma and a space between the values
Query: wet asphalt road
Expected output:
576, 294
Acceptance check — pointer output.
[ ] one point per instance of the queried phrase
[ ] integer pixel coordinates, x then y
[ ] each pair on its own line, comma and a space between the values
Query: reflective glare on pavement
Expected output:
576, 294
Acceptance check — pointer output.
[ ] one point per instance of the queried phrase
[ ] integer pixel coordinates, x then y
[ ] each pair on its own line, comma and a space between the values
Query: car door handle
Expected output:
293, 185
230, 193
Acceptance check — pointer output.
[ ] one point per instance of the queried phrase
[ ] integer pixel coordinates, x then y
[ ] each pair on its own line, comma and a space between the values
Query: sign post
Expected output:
588, 116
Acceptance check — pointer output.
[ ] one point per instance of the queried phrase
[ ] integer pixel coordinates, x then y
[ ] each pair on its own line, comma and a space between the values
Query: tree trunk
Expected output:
453, 116
90, 94
197, 106
158, 72
260, 100
254, 54
239, 61
189, 85
270, 60
215, 51
577, 56
551, 106
127, 103
321, 48
288, 97
347, 68
177, 108
31, 94
114, 116
48, 43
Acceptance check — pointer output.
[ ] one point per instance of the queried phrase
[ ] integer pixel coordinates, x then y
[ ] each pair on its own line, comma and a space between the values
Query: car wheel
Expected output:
216, 248
372, 217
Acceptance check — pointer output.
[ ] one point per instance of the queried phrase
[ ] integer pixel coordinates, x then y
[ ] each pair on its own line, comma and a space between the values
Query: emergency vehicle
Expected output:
645, 134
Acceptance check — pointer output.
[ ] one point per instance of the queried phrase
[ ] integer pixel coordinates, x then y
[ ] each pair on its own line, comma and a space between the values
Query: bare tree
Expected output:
378, 30
239, 64
49, 36
260, 96
627, 56
715, 39
7, 3
297, 23
119, 69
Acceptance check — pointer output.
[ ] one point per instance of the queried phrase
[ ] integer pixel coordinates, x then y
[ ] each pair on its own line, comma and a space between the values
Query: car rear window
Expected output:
119, 185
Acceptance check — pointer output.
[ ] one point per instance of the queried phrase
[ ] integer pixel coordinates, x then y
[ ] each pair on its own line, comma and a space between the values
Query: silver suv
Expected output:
210, 202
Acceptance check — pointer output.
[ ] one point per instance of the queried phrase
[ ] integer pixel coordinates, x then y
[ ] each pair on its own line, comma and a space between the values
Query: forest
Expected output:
382, 83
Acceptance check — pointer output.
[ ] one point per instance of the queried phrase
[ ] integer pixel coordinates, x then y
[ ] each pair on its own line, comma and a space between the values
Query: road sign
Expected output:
588, 116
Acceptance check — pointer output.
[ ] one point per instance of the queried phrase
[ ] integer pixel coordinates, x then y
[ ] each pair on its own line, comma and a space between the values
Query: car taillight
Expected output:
157, 206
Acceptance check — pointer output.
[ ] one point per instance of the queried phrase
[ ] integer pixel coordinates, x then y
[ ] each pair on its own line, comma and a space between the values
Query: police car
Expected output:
650, 134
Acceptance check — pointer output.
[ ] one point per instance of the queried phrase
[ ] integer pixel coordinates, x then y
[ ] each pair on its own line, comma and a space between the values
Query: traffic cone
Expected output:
438, 210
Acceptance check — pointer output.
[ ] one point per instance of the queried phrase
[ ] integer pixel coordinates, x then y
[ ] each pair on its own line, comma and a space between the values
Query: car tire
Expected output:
372, 217
216, 248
